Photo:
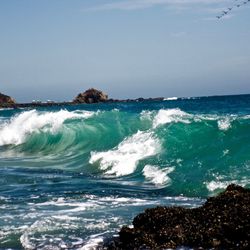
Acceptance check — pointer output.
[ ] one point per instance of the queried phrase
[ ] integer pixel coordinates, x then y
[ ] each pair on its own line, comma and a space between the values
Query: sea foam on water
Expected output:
157, 176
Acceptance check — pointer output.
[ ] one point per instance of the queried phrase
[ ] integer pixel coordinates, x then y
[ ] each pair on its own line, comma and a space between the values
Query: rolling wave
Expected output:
71, 178
19, 127
124, 158
118, 143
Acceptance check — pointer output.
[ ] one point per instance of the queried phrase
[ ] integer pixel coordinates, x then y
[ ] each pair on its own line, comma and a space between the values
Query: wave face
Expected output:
71, 177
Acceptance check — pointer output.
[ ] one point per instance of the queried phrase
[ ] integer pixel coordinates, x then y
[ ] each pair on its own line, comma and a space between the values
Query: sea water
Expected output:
71, 176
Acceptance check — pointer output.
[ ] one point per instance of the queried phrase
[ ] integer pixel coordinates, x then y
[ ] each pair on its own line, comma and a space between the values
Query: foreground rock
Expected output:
6, 100
91, 96
223, 222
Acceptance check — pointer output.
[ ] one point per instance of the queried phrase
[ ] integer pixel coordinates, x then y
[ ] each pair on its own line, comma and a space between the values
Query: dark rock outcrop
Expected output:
223, 222
6, 100
91, 96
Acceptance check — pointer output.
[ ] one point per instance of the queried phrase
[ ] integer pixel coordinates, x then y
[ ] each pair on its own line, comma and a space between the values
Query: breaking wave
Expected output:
171, 98
169, 116
71, 178
117, 143
124, 158
157, 176
19, 127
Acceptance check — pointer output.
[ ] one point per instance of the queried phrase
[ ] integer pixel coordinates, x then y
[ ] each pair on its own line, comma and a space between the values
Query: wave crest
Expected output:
18, 128
157, 176
124, 158
170, 115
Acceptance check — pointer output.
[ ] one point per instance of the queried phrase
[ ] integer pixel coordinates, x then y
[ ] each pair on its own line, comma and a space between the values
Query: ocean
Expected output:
72, 176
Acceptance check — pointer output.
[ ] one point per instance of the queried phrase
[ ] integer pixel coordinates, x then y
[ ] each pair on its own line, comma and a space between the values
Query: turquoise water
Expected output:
72, 176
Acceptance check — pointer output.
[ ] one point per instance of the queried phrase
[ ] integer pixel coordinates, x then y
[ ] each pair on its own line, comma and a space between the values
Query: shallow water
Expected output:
72, 176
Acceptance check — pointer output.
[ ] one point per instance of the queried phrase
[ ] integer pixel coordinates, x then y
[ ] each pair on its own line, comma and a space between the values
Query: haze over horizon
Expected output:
56, 49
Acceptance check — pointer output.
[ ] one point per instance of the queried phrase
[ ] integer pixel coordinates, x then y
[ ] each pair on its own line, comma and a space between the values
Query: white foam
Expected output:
225, 152
16, 130
2, 109
165, 116
26, 243
123, 159
224, 124
122, 201
69, 205
97, 225
37, 236
92, 244
156, 175
65, 218
146, 115
170, 98
214, 185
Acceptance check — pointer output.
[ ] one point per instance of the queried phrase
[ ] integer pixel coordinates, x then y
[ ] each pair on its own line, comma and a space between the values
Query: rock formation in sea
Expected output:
223, 222
6, 100
91, 96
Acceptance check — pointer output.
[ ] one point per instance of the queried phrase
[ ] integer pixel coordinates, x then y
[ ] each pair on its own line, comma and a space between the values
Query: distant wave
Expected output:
170, 99
3, 109
170, 115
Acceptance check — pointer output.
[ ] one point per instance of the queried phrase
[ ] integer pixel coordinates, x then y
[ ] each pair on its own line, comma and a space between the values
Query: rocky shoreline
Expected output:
223, 222
90, 96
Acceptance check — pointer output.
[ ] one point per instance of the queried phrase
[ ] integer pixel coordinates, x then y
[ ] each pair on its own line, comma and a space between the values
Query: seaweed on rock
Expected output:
223, 222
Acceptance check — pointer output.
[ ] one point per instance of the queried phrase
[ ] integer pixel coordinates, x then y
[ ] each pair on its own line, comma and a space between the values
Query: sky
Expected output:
55, 49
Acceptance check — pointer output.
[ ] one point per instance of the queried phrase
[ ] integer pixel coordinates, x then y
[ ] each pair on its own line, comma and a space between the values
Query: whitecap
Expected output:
92, 244
98, 224
66, 218
70, 206
225, 152
224, 124
174, 98
123, 159
214, 185
146, 115
165, 116
157, 176
19, 127
3, 109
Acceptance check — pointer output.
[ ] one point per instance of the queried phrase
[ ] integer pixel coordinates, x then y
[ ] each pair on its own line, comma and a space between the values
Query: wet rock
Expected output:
91, 96
223, 222
6, 100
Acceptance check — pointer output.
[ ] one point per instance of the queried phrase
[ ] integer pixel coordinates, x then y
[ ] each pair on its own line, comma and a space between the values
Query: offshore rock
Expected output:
6, 100
223, 222
91, 96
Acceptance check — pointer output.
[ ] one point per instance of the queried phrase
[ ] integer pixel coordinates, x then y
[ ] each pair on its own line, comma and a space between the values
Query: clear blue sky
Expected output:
54, 49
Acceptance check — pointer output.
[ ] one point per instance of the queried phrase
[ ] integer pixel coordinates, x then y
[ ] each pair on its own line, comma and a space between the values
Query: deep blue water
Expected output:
71, 176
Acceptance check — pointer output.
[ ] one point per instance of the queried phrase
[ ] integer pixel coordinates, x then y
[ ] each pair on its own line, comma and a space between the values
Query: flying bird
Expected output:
239, 4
